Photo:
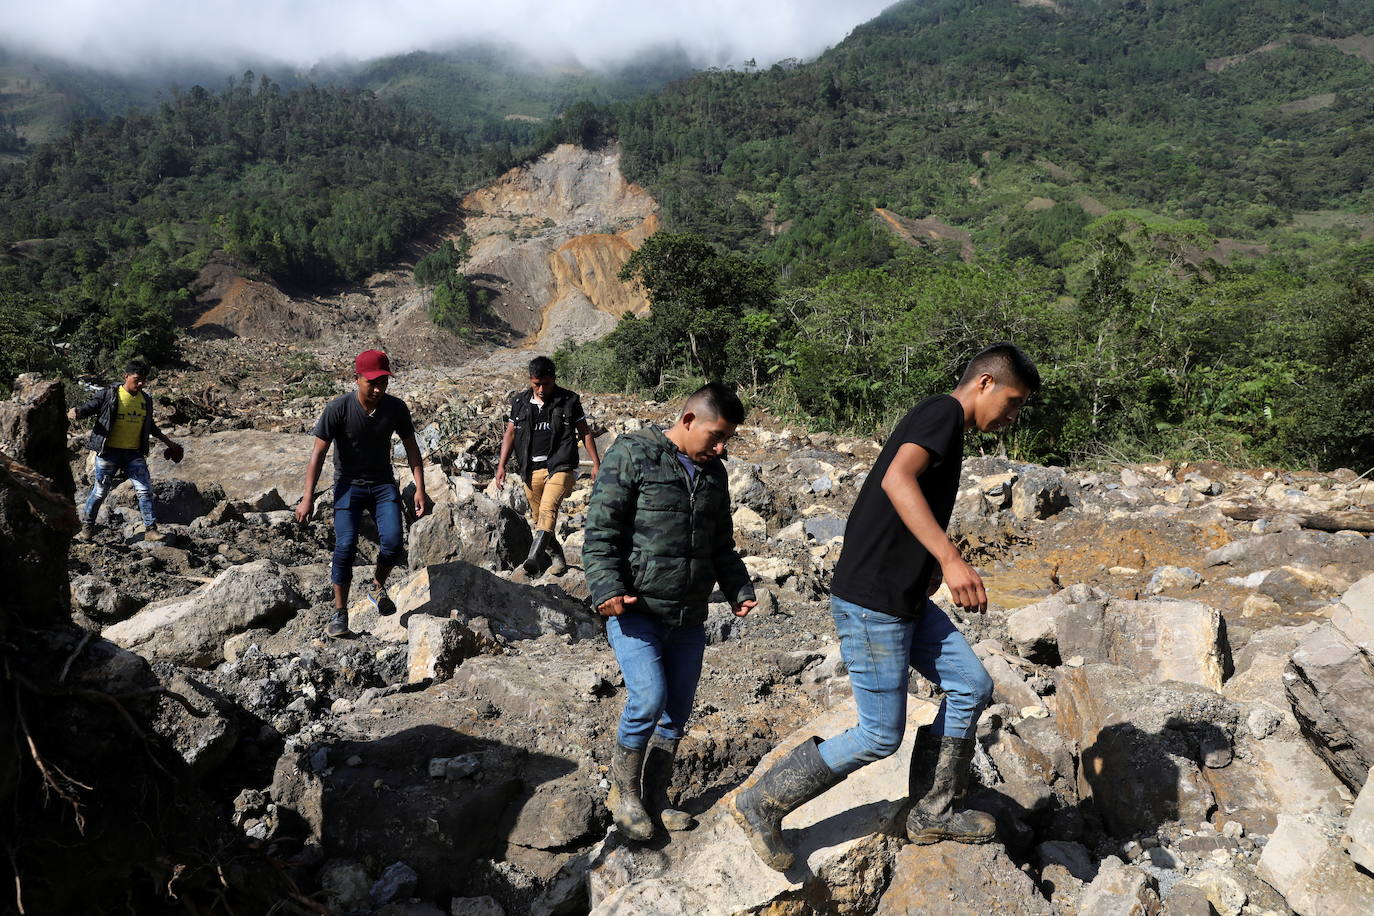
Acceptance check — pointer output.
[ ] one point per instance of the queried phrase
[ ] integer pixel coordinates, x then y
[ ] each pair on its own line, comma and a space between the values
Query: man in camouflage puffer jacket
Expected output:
659, 537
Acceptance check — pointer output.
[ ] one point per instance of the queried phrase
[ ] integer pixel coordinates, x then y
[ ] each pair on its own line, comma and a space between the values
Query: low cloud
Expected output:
143, 34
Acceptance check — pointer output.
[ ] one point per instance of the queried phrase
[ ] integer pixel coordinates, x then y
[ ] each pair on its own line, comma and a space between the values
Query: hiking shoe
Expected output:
87, 532
376, 593
338, 624
152, 534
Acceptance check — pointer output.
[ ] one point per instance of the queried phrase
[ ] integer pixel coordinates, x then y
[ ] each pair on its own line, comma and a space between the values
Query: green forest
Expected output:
1168, 204
1188, 253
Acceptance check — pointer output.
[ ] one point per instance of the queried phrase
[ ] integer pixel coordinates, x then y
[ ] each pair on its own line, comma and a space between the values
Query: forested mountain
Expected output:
1099, 163
1167, 202
1237, 112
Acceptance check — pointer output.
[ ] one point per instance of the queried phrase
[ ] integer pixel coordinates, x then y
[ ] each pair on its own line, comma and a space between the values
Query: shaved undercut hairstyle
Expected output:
542, 367
715, 401
1005, 362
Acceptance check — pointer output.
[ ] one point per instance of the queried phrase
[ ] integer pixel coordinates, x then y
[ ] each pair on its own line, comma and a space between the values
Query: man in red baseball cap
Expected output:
362, 423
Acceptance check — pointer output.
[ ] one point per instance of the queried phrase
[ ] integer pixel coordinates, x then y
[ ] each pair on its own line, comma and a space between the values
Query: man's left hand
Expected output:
744, 607
421, 503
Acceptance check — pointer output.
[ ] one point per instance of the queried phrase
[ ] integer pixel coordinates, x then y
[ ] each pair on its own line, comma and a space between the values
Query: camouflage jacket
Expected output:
651, 535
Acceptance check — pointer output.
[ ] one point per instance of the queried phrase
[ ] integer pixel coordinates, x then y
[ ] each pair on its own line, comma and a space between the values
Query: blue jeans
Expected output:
879, 651
351, 500
661, 664
131, 463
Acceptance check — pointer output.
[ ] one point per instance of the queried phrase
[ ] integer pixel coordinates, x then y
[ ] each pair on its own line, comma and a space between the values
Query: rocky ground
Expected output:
1181, 654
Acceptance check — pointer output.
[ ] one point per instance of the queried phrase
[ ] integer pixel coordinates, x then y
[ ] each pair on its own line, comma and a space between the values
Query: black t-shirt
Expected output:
362, 442
882, 565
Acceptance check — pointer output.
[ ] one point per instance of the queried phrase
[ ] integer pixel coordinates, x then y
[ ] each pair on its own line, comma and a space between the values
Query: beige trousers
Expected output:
545, 493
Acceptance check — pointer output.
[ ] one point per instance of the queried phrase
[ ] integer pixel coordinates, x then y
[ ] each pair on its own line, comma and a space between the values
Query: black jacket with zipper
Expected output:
104, 404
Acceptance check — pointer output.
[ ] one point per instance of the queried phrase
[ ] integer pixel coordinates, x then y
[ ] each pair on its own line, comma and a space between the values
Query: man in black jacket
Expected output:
543, 428
120, 438
659, 538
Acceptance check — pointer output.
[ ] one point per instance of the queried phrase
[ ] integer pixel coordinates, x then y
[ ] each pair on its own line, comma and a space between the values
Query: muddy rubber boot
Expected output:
624, 799
558, 564
788, 784
939, 779
658, 776
531, 564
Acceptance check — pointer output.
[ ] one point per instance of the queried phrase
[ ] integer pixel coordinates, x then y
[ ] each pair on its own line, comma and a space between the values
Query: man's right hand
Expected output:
614, 607
500, 478
965, 585
304, 508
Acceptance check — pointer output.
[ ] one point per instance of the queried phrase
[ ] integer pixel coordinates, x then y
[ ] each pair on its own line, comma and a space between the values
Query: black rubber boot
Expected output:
658, 776
531, 564
558, 564
938, 781
624, 798
788, 784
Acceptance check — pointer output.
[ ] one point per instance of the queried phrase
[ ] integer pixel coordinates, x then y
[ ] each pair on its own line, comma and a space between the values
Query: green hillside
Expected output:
969, 110
1168, 202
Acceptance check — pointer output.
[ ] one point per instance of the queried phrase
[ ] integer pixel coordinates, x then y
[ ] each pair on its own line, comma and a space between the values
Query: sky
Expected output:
130, 35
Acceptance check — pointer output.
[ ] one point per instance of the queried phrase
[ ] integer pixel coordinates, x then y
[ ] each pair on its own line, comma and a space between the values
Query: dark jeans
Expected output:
131, 463
661, 664
880, 650
351, 500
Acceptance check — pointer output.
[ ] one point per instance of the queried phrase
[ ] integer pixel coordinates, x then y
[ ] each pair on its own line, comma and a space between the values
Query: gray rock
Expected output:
269, 500
824, 527
1039, 493
1361, 828
1173, 578
747, 487
203, 742
192, 629
436, 646
1120, 890
102, 601
1329, 682
345, 884
479, 531
475, 906
1315, 876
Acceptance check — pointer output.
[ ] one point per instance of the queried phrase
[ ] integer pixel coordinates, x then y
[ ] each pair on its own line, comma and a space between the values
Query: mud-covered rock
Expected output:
947, 879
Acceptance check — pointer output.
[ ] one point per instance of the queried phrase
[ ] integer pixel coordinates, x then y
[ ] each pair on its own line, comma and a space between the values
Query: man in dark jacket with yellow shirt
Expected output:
659, 538
120, 437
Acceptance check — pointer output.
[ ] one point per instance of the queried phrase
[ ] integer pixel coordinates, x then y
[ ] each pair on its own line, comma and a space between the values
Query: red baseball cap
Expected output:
372, 364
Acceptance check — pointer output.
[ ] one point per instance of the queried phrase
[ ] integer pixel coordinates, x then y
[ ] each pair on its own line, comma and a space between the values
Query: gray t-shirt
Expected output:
362, 441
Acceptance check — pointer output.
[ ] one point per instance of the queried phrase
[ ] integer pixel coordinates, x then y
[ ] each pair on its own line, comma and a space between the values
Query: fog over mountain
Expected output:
132, 35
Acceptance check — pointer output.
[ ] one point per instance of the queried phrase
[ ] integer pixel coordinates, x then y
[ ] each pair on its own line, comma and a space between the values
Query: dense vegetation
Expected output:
1098, 164
107, 227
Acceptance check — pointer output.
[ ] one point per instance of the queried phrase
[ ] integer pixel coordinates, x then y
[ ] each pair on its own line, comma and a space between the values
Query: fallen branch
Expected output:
1333, 521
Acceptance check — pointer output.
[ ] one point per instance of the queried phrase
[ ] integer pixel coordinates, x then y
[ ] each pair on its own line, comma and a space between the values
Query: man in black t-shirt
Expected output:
542, 431
895, 553
361, 424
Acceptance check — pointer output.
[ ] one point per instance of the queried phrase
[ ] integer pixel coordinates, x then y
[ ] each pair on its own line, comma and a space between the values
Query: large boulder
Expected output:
1315, 876
176, 501
947, 879
842, 851
191, 630
466, 591
479, 531
1330, 683
1141, 745
1039, 493
37, 517
1334, 554
1162, 638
